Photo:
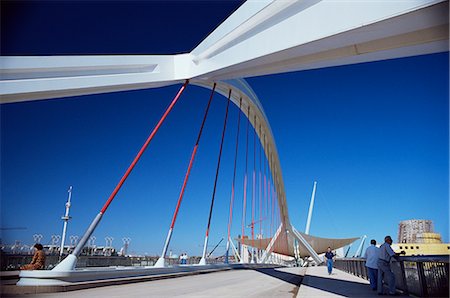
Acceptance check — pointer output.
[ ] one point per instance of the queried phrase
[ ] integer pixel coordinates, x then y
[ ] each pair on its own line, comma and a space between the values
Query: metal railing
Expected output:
14, 262
423, 276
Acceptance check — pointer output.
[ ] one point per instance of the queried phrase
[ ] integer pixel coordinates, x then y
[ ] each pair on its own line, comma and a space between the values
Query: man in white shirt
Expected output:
371, 256
384, 268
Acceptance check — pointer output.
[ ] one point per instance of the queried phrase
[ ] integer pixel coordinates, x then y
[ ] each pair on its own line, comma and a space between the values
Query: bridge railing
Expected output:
13, 262
423, 276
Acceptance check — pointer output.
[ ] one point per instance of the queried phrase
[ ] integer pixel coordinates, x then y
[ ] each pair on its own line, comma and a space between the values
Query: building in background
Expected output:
417, 237
409, 229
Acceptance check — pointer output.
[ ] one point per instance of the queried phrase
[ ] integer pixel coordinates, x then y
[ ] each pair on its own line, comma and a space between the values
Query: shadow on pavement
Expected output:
339, 287
291, 278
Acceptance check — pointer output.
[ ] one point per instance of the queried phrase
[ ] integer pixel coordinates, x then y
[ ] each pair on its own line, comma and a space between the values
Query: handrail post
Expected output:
422, 280
405, 284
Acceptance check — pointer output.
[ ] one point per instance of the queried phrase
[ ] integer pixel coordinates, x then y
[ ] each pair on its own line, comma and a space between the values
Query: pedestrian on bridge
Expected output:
329, 256
371, 256
384, 266
183, 259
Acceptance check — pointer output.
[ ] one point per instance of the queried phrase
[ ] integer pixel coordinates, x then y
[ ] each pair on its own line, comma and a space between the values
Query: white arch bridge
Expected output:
261, 37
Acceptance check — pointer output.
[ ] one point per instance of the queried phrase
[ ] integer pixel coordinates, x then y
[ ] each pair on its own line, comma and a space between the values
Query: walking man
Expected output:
384, 268
371, 256
329, 255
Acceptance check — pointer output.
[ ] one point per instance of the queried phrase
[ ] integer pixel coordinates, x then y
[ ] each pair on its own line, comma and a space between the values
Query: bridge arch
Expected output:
242, 90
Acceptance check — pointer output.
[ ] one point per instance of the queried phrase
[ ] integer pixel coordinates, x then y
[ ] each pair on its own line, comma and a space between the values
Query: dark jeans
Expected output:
330, 265
384, 270
373, 277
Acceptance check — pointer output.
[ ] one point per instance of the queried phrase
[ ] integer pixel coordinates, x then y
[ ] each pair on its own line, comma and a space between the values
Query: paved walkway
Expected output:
268, 282
317, 283
282, 282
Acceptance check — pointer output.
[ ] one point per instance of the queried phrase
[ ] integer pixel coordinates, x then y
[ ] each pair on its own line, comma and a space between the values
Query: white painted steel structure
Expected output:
358, 252
261, 37
311, 206
66, 219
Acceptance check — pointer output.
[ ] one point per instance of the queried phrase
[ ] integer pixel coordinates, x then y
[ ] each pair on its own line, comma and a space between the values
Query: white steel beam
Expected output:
269, 247
261, 37
311, 251
29, 78
299, 35
311, 206
236, 253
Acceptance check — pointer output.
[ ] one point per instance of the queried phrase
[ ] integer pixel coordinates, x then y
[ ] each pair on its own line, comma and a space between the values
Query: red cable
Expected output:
138, 156
275, 224
266, 201
244, 210
234, 171
254, 184
191, 161
260, 189
273, 228
271, 206
218, 165
275, 218
278, 221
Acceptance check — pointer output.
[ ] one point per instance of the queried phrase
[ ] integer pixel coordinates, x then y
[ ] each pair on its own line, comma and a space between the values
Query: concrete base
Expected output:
68, 264
202, 262
161, 263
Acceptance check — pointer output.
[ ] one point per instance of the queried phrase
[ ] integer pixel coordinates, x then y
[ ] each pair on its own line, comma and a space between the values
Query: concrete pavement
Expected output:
267, 282
317, 283
263, 282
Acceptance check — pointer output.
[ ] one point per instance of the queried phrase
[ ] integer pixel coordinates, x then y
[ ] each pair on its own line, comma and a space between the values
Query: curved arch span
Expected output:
241, 89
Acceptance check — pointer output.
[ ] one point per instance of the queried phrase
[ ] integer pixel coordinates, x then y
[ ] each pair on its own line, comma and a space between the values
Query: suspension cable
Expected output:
217, 175
186, 177
138, 156
275, 219
269, 182
260, 189
254, 186
194, 152
97, 219
230, 218
266, 201
244, 207
277, 216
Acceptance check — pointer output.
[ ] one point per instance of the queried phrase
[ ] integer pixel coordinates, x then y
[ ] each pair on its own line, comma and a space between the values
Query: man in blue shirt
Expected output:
329, 258
384, 268
371, 256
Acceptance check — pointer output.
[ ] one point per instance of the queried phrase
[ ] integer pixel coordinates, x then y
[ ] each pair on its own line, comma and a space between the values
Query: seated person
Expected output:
38, 261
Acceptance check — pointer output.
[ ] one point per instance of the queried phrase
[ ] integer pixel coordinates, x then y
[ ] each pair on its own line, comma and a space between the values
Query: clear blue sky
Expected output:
374, 135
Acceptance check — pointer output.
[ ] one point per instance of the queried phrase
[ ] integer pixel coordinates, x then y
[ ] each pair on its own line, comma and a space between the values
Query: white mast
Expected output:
65, 218
311, 205
359, 250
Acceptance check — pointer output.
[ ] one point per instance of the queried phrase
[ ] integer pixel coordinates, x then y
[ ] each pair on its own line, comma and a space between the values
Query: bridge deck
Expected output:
317, 283
264, 282
281, 282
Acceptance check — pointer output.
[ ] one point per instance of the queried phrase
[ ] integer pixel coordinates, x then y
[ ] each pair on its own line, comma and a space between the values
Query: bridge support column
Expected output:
70, 261
269, 248
312, 252
203, 259
236, 253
